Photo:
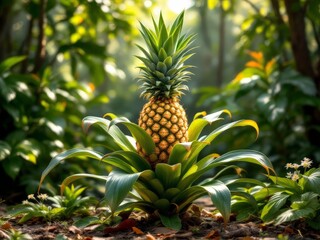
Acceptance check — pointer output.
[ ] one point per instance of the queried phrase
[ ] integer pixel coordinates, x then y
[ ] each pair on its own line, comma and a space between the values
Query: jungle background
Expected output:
61, 60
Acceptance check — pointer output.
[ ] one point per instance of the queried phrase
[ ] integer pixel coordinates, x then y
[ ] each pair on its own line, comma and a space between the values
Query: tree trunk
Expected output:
41, 45
296, 18
5, 27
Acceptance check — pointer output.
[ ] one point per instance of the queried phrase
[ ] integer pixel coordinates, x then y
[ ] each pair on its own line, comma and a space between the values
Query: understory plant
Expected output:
297, 196
52, 208
275, 95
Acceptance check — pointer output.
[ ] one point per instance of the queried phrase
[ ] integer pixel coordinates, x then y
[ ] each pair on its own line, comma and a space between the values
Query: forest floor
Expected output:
200, 223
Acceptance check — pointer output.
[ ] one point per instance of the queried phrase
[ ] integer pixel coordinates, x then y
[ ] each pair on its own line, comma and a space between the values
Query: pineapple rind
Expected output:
165, 120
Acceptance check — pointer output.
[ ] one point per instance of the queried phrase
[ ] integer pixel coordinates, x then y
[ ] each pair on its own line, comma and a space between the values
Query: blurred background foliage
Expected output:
61, 60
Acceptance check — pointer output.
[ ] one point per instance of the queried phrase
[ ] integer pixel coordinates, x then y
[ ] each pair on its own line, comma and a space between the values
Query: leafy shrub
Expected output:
275, 98
53, 62
285, 199
35, 126
296, 197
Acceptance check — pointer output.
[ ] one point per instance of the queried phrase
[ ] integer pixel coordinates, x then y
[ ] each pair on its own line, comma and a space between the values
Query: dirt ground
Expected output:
199, 224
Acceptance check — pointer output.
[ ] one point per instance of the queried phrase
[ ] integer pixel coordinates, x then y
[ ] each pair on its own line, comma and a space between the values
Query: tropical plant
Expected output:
295, 197
169, 188
53, 208
141, 177
275, 98
163, 78
13, 234
285, 199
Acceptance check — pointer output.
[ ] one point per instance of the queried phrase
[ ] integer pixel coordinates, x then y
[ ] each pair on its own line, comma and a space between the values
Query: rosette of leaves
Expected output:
170, 188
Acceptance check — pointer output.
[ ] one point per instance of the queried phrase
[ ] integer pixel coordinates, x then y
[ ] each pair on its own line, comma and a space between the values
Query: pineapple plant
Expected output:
158, 166
163, 77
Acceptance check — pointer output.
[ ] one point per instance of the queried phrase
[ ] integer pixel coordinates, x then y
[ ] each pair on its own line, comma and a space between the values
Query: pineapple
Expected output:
163, 77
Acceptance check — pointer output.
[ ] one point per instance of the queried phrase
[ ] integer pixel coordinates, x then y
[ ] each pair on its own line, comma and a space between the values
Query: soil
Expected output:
199, 223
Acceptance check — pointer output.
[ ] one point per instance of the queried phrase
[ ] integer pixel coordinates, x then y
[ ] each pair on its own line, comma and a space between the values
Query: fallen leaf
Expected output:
51, 228
207, 213
137, 231
6, 226
150, 237
74, 229
214, 234
122, 226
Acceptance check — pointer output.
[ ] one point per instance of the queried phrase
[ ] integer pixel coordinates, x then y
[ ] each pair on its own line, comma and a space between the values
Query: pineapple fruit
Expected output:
163, 77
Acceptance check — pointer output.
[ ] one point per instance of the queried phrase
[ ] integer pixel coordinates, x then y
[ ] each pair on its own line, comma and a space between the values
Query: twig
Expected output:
253, 6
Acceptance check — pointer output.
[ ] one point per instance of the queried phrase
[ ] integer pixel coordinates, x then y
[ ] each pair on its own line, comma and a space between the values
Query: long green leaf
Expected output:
118, 162
223, 128
145, 193
142, 205
110, 142
187, 196
116, 135
75, 177
211, 162
179, 152
133, 159
77, 152
195, 150
220, 196
168, 175
10, 62
140, 135
118, 185
172, 221
198, 124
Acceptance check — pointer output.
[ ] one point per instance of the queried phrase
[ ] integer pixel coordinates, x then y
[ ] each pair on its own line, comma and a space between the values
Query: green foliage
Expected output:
296, 197
171, 187
13, 234
50, 76
60, 207
286, 199
275, 98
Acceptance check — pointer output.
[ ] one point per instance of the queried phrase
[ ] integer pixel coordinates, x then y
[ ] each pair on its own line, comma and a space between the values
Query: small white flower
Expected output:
43, 196
289, 165
295, 176
31, 196
289, 175
306, 163
25, 202
296, 166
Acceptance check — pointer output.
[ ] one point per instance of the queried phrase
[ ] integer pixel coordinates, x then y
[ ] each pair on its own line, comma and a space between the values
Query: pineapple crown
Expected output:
163, 74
